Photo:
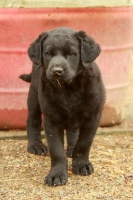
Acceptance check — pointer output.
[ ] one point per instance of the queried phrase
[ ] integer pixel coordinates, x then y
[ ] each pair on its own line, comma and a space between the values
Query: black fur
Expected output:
71, 99
26, 77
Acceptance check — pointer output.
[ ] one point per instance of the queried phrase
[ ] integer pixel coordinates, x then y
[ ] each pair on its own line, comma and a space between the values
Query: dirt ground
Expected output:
22, 174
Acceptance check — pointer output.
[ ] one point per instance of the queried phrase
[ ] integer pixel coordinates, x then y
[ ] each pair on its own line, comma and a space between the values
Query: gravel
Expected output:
22, 174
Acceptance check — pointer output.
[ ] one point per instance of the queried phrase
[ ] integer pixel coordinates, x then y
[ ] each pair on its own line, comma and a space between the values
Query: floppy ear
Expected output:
36, 48
90, 50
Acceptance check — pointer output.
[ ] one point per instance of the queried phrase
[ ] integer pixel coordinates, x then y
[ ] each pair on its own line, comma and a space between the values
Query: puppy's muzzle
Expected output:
57, 71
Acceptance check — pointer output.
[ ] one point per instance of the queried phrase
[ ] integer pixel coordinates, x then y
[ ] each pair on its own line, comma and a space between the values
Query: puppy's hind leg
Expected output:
72, 137
34, 121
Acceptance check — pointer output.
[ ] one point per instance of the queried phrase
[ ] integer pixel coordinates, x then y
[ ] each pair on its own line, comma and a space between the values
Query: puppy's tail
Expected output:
26, 77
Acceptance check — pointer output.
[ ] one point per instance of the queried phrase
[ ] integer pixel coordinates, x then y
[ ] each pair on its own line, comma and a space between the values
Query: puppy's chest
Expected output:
71, 108
69, 100
68, 103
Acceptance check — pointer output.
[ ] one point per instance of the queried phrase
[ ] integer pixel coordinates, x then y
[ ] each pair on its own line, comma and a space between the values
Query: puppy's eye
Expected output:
72, 53
47, 53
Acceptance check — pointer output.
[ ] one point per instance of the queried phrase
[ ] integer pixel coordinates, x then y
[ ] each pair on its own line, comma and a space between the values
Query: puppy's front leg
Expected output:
81, 164
55, 138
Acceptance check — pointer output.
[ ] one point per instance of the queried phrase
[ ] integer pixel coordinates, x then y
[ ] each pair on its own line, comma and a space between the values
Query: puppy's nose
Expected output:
57, 70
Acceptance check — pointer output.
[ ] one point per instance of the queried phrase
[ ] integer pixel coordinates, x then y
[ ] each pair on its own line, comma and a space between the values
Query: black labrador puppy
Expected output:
66, 86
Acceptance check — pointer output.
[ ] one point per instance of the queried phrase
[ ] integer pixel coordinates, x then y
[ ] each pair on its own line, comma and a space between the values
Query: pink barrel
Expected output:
112, 28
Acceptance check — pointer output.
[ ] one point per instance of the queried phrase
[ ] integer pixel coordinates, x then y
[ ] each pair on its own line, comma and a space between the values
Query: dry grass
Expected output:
22, 174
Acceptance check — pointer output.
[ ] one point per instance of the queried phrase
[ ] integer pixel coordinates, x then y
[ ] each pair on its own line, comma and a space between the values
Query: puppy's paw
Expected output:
56, 178
82, 168
37, 148
69, 152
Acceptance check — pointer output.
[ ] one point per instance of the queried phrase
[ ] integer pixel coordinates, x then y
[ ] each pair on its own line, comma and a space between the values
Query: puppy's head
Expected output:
63, 53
